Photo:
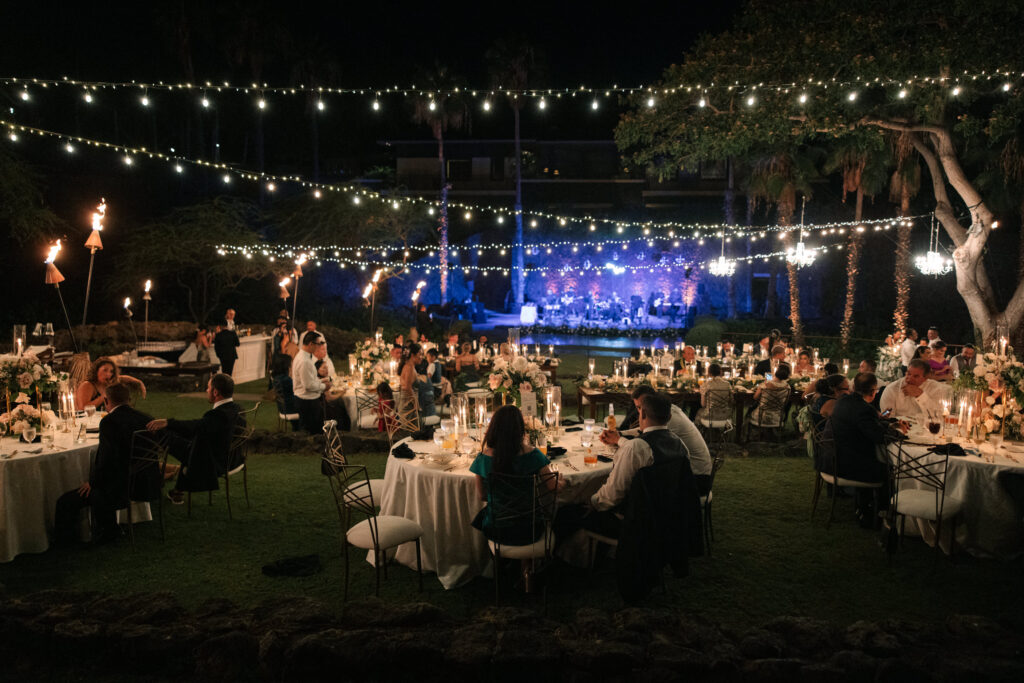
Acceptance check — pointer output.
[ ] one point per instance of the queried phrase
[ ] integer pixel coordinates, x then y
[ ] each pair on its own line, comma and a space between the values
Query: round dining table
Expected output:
987, 525
442, 498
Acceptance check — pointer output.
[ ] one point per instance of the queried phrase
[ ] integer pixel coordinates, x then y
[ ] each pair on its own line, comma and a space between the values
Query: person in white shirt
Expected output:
680, 425
907, 348
914, 394
308, 386
229, 319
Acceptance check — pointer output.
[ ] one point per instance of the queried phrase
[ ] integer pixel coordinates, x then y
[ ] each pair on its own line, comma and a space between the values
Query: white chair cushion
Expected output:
922, 503
289, 416
522, 552
359, 491
391, 531
852, 483
367, 421
716, 424
431, 420
771, 419
472, 385
704, 500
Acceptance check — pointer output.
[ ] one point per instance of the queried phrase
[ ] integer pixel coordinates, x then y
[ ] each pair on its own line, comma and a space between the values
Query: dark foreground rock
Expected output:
54, 633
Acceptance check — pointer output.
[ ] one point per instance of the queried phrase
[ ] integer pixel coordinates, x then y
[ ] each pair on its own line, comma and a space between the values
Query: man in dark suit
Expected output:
107, 488
226, 344
778, 355
206, 442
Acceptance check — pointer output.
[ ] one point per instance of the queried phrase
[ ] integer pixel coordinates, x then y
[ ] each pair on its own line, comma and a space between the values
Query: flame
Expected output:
149, 285
127, 301
52, 256
302, 259
284, 282
376, 274
98, 216
422, 284
367, 291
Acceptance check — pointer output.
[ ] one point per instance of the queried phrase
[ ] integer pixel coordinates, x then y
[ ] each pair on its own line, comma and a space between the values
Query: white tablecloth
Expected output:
30, 485
445, 503
986, 526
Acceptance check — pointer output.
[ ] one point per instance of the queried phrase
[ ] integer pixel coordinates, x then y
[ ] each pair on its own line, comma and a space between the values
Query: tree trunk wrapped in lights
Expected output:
853, 250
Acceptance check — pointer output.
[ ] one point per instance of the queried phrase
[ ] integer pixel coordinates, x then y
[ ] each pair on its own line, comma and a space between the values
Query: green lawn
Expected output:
768, 558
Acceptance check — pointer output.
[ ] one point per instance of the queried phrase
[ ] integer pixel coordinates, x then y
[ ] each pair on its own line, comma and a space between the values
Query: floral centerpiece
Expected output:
370, 353
24, 416
514, 377
26, 375
887, 369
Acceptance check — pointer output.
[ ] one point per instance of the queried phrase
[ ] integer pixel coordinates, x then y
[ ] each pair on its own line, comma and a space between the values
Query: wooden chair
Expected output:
350, 485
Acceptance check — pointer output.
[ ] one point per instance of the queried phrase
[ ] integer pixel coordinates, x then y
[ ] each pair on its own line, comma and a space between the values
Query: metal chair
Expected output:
826, 467
250, 415
335, 457
366, 409
523, 501
715, 419
146, 465
770, 412
919, 490
284, 418
350, 485
705, 503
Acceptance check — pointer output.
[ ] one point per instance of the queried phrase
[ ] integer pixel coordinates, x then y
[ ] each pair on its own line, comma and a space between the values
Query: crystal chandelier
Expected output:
801, 256
933, 262
722, 267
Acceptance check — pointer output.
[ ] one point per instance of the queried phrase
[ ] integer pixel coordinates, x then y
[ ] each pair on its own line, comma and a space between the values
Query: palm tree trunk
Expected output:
730, 219
443, 223
852, 260
794, 285
901, 276
519, 282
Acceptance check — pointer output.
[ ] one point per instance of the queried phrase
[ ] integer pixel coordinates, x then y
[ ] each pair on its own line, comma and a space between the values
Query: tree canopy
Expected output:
798, 72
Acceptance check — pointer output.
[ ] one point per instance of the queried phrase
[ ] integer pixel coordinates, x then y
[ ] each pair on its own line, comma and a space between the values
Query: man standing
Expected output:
308, 386
965, 360
696, 448
933, 335
914, 395
907, 349
209, 439
225, 345
229, 319
107, 489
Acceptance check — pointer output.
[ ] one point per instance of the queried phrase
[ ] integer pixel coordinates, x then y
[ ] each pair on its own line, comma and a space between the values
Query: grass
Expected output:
768, 559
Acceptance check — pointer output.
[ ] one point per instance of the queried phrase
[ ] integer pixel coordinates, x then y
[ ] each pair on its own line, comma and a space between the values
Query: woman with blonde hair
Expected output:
92, 391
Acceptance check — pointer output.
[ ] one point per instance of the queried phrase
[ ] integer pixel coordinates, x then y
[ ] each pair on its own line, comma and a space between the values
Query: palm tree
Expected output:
861, 160
511, 61
443, 110
777, 179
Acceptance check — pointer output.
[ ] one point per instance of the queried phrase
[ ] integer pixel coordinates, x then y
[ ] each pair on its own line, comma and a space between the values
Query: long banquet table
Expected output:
986, 526
31, 483
443, 500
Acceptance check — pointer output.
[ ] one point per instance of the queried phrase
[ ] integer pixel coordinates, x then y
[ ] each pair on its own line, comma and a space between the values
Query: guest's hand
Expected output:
84, 489
913, 392
156, 425
903, 426
610, 437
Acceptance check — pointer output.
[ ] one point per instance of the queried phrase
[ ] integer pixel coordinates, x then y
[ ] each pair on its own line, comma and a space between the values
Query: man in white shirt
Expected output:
680, 425
914, 394
907, 348
229, 319
933, 335
308, 386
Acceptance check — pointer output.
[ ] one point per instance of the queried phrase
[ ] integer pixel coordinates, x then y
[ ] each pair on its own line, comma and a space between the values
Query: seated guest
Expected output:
434, 371
308, 386
914, 394
830, 369
933, 335
505, 451
778, 381
868, 365
107, 489
385, 406
505, 351
804, 367
827, 391
766, 411
467, 365
210, 438
481, 343
923, 353
857, 432
965, 360
941, 371
778, 357
680, 425
715, 382
413, 383
92, 391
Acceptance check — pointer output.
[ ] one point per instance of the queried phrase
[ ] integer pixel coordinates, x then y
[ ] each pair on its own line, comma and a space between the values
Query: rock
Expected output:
272, 648
895, 670
603, 659
137, 608
144, 647
678, 659
822, 672
974, 627
869, 637
470, 651
772, 669
762, 644
79, 639
644, 620
981, 668
804, 637
374, 612
592, 624
315, 657
858, 665
524, 653
233, 656
290, 615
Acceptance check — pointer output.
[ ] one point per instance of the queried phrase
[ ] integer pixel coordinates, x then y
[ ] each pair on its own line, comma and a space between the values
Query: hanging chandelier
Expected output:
722, 267
933, 262
801, 256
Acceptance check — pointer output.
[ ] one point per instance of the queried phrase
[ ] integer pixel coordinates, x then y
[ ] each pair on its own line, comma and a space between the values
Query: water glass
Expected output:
29, 435
90, 410
47, 438
996, 440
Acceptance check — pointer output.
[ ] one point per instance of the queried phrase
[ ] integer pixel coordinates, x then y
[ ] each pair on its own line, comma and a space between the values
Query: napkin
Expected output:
556, 450
604, 458
948, 449
403, 451
574, 429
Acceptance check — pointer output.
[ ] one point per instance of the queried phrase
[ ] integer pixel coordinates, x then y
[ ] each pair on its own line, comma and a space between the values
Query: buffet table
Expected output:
442, 498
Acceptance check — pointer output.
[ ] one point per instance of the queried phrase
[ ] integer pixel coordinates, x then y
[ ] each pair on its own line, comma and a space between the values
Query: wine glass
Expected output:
47, 438
934, 423
29, 435
439, 435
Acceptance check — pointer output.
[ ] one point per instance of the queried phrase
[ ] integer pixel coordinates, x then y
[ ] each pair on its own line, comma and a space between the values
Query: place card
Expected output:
529, 401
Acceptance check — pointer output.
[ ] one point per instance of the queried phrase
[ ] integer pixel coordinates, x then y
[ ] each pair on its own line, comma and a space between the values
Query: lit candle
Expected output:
591, 369
846, 367
1002, 346
750, 369
970, 417
551, 350
20, 344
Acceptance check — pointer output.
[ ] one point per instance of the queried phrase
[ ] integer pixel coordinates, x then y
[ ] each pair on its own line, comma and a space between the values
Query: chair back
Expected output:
146, 465
238, 451
366, 404
824, 445
250, 415
518, 500
350, 485
772, 405
403, 419
716, 464
718, 404
925, 470
332, 444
